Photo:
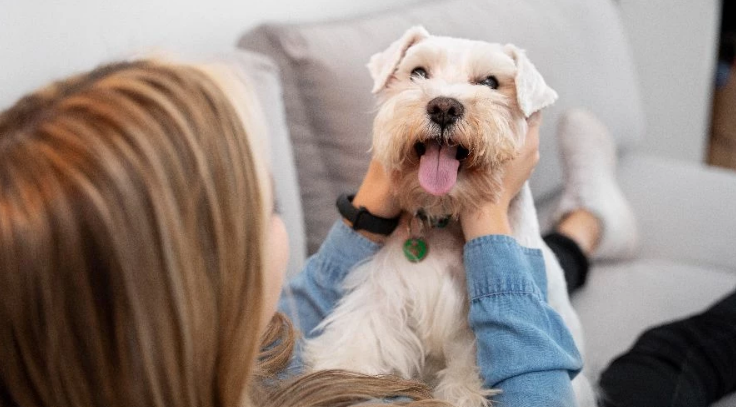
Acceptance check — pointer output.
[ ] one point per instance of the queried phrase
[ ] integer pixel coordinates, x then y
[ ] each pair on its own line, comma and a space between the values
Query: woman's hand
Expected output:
376, 194
491, 218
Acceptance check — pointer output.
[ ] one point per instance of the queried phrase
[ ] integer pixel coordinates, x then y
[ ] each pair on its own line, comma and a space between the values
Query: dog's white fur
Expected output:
408, 318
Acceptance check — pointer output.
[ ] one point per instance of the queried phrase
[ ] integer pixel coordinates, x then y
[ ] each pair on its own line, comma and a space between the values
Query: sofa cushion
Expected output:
685, 210
578, 45
728, 401
263, 75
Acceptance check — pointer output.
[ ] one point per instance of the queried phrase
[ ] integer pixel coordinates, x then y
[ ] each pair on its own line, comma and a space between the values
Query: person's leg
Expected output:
686, 363
573, 241
589, 169
594, 219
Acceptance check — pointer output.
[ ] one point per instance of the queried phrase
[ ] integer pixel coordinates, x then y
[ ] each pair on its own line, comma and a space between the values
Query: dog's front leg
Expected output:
459, 382
523, 218
368, 332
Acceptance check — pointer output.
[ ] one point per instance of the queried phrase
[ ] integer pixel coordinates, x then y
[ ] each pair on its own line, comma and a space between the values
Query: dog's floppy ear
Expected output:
383, 64
532, 92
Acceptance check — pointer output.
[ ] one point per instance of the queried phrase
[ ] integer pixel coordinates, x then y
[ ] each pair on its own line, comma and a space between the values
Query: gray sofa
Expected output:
316, 96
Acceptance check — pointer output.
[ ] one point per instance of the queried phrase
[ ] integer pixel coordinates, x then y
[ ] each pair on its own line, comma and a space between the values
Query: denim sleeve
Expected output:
312, 294
524, 347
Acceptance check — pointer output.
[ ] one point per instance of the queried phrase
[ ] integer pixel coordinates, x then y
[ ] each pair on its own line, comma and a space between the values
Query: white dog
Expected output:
451, 111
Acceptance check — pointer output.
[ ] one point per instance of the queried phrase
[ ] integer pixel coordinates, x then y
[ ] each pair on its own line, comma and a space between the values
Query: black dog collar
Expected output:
439, 223
361, 219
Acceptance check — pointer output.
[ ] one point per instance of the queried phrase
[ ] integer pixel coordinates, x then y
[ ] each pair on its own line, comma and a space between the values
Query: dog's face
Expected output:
452, 111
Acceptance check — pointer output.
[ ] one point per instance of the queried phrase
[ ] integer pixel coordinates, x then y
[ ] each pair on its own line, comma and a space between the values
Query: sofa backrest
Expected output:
579, 46
262, 76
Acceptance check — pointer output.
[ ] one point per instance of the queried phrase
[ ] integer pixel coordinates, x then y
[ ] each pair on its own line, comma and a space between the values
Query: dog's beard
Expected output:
491, 132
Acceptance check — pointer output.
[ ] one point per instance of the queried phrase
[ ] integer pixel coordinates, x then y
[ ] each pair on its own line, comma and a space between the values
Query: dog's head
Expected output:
451, 111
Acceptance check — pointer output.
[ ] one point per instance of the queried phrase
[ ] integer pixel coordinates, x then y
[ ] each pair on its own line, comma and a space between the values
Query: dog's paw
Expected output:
463, 391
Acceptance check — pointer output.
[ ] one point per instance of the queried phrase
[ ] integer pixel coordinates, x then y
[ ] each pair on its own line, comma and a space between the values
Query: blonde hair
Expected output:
132, 222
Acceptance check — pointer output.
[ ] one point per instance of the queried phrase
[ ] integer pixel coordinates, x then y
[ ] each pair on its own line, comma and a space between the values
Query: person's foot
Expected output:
583, 228
589, 167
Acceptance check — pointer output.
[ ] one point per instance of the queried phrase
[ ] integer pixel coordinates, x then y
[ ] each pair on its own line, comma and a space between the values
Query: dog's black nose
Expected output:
445, 111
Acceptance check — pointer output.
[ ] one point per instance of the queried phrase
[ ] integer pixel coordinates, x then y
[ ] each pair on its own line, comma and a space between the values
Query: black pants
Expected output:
686, 363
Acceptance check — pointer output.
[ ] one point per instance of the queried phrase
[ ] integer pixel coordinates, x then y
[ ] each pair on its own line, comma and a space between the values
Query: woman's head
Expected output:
133, 217
140, 258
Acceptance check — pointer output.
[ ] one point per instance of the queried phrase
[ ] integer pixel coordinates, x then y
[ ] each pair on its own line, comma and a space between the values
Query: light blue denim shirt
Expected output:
523, 347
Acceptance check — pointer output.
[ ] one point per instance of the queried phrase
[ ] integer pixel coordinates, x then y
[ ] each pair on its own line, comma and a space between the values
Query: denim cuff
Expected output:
498, 265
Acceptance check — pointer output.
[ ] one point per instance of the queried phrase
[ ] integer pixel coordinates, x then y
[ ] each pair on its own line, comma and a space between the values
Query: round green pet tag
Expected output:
415, 249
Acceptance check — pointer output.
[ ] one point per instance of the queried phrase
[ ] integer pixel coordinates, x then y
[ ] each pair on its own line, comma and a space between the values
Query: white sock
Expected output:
589, 167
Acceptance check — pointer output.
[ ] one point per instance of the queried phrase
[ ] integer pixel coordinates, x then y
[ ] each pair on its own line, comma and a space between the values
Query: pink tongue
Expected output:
438, 169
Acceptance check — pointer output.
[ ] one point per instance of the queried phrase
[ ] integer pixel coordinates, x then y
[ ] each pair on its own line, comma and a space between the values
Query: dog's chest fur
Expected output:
425, 302
434, 288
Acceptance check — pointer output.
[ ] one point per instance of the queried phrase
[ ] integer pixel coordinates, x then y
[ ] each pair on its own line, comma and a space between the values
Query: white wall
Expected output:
40, 40
674, 43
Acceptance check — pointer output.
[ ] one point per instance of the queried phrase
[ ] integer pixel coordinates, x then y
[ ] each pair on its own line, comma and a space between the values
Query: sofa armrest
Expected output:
263, 77
686, 211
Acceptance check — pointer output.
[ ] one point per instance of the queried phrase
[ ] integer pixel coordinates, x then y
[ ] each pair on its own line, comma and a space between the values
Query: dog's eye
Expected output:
419, 72
490, 81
